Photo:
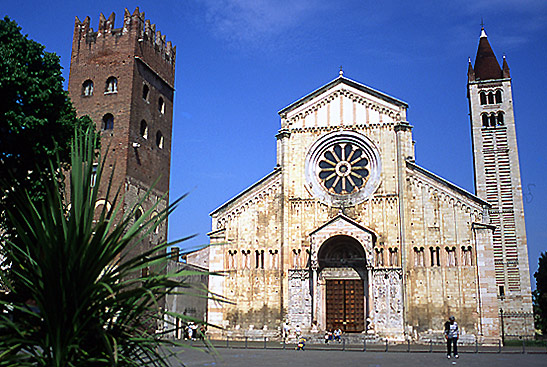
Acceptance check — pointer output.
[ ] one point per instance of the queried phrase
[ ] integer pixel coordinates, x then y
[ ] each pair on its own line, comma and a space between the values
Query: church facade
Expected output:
349, 232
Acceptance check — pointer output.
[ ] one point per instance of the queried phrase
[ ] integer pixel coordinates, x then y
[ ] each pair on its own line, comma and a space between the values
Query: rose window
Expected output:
343, 169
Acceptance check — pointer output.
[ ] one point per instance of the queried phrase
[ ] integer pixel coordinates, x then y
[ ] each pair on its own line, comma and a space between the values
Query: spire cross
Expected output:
341, 71
482, 23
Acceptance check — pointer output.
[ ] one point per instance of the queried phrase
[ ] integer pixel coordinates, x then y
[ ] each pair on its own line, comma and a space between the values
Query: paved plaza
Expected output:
227, 357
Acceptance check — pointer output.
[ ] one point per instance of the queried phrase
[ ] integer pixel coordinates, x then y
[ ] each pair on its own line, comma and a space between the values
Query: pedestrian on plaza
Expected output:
327, 337
338, 335
451, 333
286, 330
298, 331
301, 344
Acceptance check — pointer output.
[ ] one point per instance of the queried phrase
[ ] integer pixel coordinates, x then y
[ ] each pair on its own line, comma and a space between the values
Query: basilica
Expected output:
350, 232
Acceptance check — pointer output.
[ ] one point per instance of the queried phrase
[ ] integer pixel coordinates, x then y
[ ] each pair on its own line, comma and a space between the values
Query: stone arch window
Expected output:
467, 256
246, 258
232, 259
500, 118
145, 92
138, 214
435, 253
419, 257
484, 118
144, 129
498, 96
159, 139
296, 258
87, 88
492, 120
273, 259
379, 258
482, 96
108, 122
154, 218
111, 85
491, 98
161, 105
393, 256
259, 257
451, 256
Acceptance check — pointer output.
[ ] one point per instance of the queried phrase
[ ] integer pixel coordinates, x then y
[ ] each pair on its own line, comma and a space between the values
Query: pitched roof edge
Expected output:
350, 82
347, 219
451, 185
256, 184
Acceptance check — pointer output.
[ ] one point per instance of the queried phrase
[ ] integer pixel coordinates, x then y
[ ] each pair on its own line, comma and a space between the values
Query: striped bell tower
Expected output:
497, 180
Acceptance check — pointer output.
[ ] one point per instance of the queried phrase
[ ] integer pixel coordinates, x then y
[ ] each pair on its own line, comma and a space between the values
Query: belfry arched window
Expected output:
161, 105
87, 88
108, 122
111, 85
144, 129
500, 118
145, 92
159, 139
482, 98
491, 98
498, 96
484, 117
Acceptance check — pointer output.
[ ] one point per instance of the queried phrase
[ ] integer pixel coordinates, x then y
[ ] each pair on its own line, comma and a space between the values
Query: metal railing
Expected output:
383, 345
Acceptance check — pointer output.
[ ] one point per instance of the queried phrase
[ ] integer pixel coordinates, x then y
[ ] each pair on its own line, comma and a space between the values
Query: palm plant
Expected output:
75, 295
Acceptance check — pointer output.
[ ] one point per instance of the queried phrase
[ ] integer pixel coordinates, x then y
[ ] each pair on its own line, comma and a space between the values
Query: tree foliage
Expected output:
37, 119
86, 301
540, 295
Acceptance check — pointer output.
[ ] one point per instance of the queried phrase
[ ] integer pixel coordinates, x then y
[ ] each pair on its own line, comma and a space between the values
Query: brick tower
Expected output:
497, 180
123, 79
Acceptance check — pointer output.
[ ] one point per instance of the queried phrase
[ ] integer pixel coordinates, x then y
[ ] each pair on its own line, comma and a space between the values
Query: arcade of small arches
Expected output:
449, 258
490, 97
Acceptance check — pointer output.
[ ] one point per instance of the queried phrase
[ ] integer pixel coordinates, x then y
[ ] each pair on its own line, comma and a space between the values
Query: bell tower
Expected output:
497, 180
123, 79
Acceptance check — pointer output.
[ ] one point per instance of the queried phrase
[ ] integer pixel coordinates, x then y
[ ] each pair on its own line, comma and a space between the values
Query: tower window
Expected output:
490, 98
145, 92
502, 291
144, 129
500, 118
108, 122
159, 139
161, 105
138, 214
111, 85
483, 98
87, 88
498, 96
484, 117
492, 120
435, 256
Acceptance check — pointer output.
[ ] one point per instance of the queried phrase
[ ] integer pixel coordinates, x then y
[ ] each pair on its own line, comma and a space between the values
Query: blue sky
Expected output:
241, 61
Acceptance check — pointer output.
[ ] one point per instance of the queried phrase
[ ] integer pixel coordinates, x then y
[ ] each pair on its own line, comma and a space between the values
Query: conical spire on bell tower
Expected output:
486, 64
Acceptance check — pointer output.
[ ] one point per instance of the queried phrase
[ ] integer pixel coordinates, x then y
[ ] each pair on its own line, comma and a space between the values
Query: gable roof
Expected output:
446, 183
343, 80
346, 219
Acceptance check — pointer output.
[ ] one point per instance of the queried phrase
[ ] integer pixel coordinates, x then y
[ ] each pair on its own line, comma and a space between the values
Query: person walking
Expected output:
451, 333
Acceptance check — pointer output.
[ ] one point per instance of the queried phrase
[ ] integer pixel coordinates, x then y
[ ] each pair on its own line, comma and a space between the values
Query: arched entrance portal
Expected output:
342, 267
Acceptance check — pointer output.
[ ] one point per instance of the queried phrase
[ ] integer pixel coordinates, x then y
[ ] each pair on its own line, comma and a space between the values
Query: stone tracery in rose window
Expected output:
343, 169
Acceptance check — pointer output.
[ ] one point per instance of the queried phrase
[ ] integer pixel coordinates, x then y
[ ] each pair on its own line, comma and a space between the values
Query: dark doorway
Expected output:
345, 305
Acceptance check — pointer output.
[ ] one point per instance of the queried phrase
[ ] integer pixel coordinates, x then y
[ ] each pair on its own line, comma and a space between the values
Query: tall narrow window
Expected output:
490, 98
483, 98
159, 139
94, 174
273, 259
498, 96
111, 85
108, 122
87, 88
502, 291
379, 257
500, 118
145, 92
144, 129
246, 258
296, 258
492, 120
232, 259
451, 256
484, 117
435, 256
419, 256
161, 105
393, 256
467, 256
